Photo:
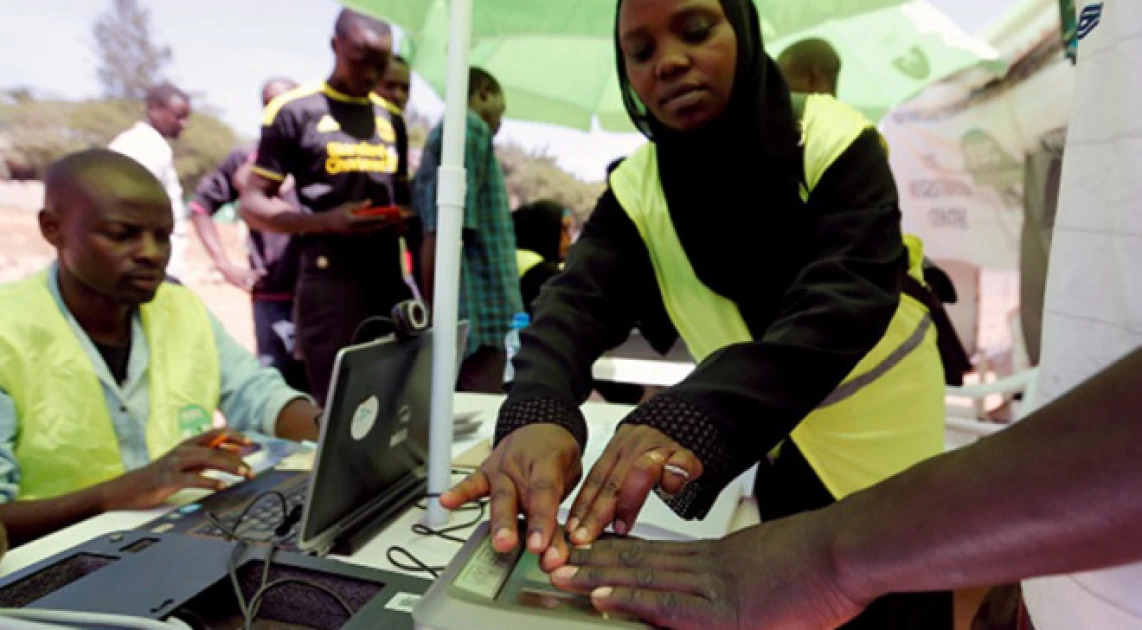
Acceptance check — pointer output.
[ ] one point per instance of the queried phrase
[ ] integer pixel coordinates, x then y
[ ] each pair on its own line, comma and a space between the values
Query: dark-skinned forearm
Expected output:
1057, 493
273, 214
211, 241
298, 421
29, 520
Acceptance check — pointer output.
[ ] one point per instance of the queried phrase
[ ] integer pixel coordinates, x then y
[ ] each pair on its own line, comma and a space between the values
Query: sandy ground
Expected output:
24, 252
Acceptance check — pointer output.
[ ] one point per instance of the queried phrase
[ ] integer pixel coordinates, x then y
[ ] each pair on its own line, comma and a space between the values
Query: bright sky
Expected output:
225, 49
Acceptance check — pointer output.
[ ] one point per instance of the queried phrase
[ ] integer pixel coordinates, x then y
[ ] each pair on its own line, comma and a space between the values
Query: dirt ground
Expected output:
24, 252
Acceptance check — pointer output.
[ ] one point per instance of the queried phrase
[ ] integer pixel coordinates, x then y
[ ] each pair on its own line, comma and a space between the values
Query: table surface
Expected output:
432, 550
637, 363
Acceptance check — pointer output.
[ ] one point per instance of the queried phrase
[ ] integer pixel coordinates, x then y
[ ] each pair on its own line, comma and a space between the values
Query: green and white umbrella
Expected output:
556, 59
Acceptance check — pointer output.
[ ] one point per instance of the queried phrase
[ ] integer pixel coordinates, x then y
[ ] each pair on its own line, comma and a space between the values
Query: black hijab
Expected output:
733, 187
539, 228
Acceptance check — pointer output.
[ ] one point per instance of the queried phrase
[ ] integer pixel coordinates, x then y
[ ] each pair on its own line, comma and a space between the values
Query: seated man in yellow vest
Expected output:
109, 377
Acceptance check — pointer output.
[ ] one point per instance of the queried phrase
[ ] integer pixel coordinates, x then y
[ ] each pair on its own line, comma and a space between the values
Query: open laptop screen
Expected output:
374, 436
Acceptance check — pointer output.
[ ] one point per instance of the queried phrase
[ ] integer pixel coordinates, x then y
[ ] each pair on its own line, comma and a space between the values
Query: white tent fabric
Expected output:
1094, 297
959, 151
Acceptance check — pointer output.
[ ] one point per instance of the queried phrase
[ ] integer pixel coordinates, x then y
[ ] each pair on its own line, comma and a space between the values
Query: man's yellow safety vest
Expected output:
888, 414
65, 439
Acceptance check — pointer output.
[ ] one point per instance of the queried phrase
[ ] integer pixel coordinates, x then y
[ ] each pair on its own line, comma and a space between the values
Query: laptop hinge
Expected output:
365, 526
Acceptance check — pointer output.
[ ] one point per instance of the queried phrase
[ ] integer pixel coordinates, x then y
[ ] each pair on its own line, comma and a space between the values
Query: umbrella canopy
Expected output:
556, 59
891, 55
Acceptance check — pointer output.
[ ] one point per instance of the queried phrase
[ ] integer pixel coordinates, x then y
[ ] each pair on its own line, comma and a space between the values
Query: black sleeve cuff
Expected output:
697, 430
516, 414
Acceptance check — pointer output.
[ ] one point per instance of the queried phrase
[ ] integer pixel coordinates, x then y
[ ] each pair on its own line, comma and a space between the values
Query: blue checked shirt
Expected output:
489, 281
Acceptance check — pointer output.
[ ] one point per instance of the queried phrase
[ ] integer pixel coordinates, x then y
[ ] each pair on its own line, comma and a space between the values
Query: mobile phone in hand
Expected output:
379, 212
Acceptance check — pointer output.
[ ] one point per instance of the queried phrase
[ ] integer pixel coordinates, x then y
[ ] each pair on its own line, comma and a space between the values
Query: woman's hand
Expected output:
531, 471
638, 459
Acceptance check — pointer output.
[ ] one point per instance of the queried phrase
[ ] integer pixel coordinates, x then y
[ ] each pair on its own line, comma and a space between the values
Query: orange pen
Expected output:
223, 441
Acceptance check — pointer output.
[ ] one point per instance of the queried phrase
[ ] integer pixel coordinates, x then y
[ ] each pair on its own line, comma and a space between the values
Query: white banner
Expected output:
959, 158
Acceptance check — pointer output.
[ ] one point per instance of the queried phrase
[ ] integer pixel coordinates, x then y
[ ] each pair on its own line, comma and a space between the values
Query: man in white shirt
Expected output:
148, 143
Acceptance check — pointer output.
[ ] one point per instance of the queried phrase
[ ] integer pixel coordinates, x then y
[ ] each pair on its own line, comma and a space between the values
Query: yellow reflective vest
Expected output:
65, 439
888, 414
526, 260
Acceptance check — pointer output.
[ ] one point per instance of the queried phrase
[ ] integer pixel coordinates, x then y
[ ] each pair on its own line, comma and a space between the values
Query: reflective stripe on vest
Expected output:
888, 414
66, 440
526, 260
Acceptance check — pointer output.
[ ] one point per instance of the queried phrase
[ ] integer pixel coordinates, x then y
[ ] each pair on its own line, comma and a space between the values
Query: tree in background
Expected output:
533, 176
130, 60
34, 133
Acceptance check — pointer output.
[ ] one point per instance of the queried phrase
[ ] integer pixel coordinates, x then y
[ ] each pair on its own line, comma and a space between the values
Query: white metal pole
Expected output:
451, 189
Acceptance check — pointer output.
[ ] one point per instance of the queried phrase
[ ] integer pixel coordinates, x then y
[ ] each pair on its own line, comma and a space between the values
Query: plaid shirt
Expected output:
489, 280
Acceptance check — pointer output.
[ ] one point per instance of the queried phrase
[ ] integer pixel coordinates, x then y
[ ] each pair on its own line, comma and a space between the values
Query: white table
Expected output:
652, 372
433, 551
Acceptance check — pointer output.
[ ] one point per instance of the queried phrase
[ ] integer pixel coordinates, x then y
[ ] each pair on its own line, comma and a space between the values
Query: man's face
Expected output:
362, 54
171, 118
396, 84
490, 106
800, 82
115, 239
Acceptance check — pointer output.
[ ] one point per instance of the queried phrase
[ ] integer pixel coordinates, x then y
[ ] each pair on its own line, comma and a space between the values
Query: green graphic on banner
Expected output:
1070, 22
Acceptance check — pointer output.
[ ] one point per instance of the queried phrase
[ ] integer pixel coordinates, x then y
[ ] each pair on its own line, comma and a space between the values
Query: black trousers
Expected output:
334, 296
276, 336
790, 486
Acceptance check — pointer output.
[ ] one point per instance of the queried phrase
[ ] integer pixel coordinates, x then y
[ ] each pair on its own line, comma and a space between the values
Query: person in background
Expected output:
811, 66
347, 150
543, 237
396, 86
148, 143
272, 272
781, 264
109, 376
489, 285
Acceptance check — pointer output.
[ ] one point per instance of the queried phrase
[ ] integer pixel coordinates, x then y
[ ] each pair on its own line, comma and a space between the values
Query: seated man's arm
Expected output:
256, 399
31, 519
143, 488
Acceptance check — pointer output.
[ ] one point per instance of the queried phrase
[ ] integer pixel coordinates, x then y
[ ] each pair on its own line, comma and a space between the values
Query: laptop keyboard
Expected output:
261, 522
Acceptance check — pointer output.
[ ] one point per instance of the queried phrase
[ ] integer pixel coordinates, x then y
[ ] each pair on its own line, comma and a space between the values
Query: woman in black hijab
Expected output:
812, 262
542, 236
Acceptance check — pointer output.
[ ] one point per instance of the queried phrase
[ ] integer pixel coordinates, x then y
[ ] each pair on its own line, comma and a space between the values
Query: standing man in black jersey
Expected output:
346, 149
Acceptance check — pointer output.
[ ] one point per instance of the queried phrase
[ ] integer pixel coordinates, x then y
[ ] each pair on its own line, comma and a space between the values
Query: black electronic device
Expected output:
164, 576
369, 467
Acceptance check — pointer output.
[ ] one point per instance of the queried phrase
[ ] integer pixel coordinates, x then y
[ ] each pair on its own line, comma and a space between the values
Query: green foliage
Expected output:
40, 132
534, 176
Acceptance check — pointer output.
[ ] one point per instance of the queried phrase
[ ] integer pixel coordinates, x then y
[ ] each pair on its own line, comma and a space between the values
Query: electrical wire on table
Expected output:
413, 564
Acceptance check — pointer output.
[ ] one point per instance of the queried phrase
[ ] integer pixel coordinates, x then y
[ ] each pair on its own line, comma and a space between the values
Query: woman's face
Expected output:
680, 58
565, 236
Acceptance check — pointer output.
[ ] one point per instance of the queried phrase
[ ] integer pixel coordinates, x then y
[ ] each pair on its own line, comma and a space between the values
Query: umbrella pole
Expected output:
451, 194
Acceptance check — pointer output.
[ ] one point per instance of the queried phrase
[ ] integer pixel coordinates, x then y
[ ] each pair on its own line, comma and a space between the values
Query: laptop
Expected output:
370, 465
